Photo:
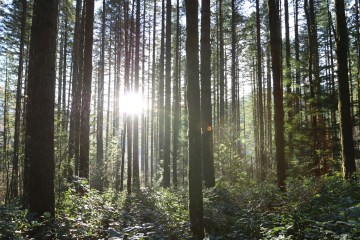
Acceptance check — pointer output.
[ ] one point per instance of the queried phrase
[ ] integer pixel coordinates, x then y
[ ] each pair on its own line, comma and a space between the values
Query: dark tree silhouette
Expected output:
194, 133
39, 154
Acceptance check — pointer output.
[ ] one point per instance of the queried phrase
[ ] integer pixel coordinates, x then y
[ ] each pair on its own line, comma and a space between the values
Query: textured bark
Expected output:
75, 93
347, 142
275, 42
86, 91
167, 133
206, 105
260, 110
98, 181
194, 132
39, 154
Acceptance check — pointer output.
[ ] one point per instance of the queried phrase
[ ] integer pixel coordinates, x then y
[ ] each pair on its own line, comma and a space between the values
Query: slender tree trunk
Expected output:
136, 177
263, 166
98, 183
86, 92
288, 79
5, 134
176, 97
221, 81
153, 74
73, 140
347, 142
166, 177
161, 86
194, 132
206, 106
15, 170
297, 59
275, 41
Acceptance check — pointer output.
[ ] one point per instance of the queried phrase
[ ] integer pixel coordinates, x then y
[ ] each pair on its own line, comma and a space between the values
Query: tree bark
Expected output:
15, 171
194, 132
206, 105
167, 141
86, 91
347, 142
39, 153
275, 42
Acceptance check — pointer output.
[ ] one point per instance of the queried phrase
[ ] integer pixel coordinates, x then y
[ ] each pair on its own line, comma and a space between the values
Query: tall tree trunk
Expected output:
297, 59
76, 101
99, 172
194, 132
263, 166
275, 41
221, 72
136, 178
39, 153
347, 142
288, 79
176, 97
314, 80
153, 74
167, 141
15, 171
160, 106
86, 91
206, 106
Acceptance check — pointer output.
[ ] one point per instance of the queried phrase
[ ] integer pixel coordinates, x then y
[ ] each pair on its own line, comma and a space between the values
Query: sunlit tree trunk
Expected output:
153, 86
136, 177
99, 172
347, 142
160, 105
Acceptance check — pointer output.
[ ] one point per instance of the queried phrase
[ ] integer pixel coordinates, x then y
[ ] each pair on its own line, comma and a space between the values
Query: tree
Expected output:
100, 110
194, 132
176, 101
275, 42
15, 171
260, 95
39, 154
347, 142
136, 178
166, 177
86, 91
206, 105
76, 90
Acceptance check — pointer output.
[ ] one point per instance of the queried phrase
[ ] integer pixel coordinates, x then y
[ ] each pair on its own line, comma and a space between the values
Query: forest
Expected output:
169, 119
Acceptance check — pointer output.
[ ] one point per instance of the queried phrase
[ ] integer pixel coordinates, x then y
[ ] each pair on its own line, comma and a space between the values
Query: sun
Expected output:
132, 103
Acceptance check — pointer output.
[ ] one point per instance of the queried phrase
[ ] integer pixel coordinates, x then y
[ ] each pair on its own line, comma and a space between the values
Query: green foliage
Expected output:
327, 208
311, 208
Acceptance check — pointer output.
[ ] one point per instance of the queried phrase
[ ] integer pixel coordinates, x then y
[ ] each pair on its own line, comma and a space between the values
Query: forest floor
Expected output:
312, 208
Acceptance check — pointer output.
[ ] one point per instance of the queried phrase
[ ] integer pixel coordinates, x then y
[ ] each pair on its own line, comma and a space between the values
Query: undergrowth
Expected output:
311, 208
